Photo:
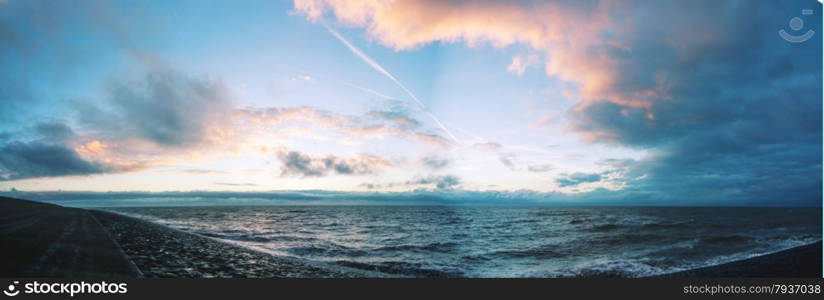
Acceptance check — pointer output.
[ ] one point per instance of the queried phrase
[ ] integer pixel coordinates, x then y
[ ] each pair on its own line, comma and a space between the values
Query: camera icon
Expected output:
12, 290
797, 24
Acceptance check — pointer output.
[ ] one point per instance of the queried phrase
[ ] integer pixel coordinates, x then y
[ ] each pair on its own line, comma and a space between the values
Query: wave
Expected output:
606, 227
630, 239
664, 225
543, 252
326, 251
726, 240
605, 269
253, 238
525, 221
433, 247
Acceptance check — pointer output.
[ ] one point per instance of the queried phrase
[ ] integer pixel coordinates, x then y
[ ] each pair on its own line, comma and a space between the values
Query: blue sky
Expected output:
668, 101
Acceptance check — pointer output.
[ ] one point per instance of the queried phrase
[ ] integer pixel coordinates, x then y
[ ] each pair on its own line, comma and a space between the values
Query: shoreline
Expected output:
54, 241
164, 252
801, 262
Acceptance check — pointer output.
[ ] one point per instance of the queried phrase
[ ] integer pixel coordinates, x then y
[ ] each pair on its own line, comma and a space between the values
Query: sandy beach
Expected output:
44, 240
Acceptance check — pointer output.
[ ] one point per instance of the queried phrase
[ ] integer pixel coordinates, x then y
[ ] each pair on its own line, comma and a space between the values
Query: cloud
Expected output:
19, 160
54, 132
520, 63
47, 155
400, 119
741, 118
303, 78
438, 183
435, 162
171, 130
166, 107
40, 50
432, 140
540, 168
508, 160
575, 47
487, 146
132, 124
577, 178
724, 108
372, 63
304, 165
369, 61
374, 124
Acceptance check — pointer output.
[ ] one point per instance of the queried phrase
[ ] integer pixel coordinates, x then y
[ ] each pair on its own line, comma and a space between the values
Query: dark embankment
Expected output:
803, 261
44, 240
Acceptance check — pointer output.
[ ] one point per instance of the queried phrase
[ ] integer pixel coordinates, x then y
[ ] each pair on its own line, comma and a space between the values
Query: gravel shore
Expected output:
159, 251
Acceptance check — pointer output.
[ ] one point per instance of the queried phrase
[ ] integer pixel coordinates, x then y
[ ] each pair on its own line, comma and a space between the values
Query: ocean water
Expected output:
445, 241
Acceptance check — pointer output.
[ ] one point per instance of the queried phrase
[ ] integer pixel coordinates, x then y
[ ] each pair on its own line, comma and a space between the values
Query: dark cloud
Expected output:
435, 162
508, 159
45, 150
577, 178
165, 106
54, 132
738, 115
305, 165
19, 160
438, 183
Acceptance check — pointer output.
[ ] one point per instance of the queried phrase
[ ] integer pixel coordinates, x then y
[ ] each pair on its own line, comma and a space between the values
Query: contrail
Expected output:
371, 91
441, 125
372, 63
386, 73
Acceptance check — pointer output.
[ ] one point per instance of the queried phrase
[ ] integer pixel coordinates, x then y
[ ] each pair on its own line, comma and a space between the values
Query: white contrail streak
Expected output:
368, 60
373, 92
441, 125
372, 63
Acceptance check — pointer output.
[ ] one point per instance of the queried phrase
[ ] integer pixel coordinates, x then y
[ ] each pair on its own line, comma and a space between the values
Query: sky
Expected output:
666, 102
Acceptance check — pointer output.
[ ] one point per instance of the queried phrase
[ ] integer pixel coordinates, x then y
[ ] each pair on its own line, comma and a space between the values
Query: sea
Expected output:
484, 241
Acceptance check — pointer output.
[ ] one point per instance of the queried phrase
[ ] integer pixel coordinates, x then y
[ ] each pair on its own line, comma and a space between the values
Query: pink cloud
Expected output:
570, 35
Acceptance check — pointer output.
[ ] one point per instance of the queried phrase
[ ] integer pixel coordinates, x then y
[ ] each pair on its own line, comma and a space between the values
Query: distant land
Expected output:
323, 197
